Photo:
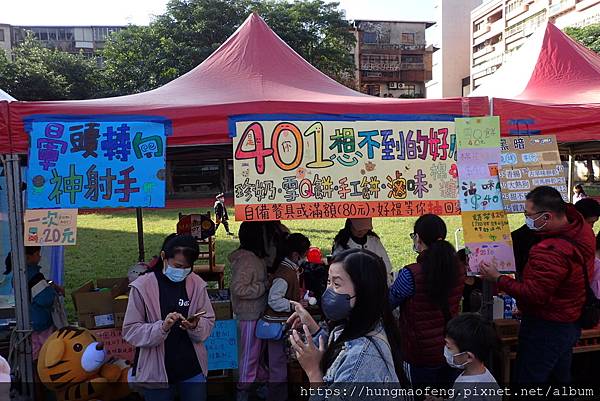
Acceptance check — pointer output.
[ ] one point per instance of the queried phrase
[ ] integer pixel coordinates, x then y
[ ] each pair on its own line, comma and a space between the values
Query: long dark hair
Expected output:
369, 276
251, 238
439, 261
159, 262
343, 236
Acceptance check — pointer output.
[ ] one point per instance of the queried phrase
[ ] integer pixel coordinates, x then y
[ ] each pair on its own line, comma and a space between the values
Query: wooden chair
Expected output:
206, 266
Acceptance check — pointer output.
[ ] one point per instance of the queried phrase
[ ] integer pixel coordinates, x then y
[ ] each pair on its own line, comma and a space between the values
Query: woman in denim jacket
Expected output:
360, 342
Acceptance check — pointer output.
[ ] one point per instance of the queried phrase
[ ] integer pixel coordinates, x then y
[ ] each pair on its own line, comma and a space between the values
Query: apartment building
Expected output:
391, 58
88, 40
500, 27
449, 37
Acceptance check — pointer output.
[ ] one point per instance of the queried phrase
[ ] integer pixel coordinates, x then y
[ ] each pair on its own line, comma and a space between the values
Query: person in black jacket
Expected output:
221, 213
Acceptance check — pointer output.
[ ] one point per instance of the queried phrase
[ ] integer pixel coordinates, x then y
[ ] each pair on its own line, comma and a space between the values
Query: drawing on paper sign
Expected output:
50, 227
96, 162
308, 167
497, 254
485, 224
529, 162
480, 194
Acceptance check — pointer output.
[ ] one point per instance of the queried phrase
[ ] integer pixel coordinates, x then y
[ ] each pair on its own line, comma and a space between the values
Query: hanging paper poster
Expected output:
96, 162
222, 345
528, 162
50, 227
485, 224
311, 167
497, 254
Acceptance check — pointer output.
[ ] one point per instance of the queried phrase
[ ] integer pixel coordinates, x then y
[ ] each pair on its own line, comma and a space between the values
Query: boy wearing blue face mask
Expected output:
470, 340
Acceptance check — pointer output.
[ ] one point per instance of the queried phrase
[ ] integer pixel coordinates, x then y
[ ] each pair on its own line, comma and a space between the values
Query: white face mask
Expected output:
531, 223
450, 359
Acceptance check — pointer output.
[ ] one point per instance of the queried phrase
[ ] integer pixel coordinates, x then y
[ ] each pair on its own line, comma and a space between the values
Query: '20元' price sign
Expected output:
50, 227
307, 167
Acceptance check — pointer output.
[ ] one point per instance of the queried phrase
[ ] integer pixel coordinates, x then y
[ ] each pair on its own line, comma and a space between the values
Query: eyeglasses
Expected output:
536, 213
413, 236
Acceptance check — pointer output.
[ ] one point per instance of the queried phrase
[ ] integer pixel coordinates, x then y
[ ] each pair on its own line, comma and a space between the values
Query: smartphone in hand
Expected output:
196, 316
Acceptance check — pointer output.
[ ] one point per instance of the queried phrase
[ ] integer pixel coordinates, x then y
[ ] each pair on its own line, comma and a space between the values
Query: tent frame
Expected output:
24, 366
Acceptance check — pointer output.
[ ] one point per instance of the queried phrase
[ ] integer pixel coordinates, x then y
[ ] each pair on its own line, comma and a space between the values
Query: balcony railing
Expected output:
390, 47
391, 66
582, 5
484, 51
561, 7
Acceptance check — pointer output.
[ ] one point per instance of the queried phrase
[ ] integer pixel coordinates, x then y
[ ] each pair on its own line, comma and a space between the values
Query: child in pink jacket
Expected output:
168, 318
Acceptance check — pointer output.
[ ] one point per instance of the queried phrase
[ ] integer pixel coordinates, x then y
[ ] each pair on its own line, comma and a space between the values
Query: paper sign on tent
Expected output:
50, 227
478, 132
485, 225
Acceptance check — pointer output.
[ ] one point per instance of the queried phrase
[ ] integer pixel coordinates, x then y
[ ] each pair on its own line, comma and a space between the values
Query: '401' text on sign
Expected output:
285, 169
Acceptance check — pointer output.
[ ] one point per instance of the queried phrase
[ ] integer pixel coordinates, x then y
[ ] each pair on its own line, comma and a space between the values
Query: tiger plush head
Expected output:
70, 355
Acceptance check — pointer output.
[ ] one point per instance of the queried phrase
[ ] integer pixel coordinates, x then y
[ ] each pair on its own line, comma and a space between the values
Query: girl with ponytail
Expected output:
428, 293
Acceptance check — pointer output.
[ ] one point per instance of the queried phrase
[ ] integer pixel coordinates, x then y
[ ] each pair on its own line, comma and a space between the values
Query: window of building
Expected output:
370, 37
407, 89
408, 38
413, 59
42, 35
52, 33
2, 35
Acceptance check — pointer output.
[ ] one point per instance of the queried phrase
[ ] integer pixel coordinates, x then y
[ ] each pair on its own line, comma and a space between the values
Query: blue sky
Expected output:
121, 12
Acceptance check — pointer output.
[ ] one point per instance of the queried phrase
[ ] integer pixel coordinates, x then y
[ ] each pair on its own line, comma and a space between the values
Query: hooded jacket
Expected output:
249, 284
552, 286
142, 327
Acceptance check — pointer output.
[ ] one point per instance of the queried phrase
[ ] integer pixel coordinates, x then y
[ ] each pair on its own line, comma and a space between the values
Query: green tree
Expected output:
589, 36
38, 73
143, 58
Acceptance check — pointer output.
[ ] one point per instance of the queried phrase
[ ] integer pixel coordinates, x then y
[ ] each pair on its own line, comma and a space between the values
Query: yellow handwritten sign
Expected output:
485, 226
311, 169
478, 132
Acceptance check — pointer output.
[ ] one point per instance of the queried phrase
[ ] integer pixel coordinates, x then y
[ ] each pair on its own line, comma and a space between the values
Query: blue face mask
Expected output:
335, 306
177, 275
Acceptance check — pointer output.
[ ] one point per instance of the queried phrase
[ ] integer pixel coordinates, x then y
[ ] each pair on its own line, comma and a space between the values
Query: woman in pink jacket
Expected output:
169, 316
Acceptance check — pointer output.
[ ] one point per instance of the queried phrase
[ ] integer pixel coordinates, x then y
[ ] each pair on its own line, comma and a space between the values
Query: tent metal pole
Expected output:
140, 233
571, 174
12, 170
487, 302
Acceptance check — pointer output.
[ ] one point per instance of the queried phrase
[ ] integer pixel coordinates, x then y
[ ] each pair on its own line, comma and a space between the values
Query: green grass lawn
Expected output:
107, 243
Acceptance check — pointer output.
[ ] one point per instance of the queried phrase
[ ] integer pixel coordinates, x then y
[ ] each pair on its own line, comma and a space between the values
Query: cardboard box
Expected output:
221, 303
119, 308
95, 308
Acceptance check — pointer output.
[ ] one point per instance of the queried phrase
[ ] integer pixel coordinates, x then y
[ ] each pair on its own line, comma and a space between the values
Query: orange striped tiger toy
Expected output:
72, 362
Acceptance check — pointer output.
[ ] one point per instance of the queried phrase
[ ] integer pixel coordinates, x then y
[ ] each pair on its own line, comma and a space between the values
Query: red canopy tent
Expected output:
254, 71
551, 85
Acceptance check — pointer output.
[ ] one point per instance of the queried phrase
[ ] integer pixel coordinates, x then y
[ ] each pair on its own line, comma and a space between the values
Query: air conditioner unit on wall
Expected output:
401, 85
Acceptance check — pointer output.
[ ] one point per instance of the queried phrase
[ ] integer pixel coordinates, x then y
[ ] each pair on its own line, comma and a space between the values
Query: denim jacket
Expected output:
362, 360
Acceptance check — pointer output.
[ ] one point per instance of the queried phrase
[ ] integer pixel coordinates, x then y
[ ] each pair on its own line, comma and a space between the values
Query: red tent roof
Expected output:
554, 86
254, 71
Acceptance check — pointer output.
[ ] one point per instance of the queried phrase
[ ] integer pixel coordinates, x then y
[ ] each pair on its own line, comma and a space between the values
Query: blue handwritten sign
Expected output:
222, 345
96, 161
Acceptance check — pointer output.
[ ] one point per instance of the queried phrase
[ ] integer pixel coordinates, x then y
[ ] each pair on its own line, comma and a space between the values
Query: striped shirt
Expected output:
402, 289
